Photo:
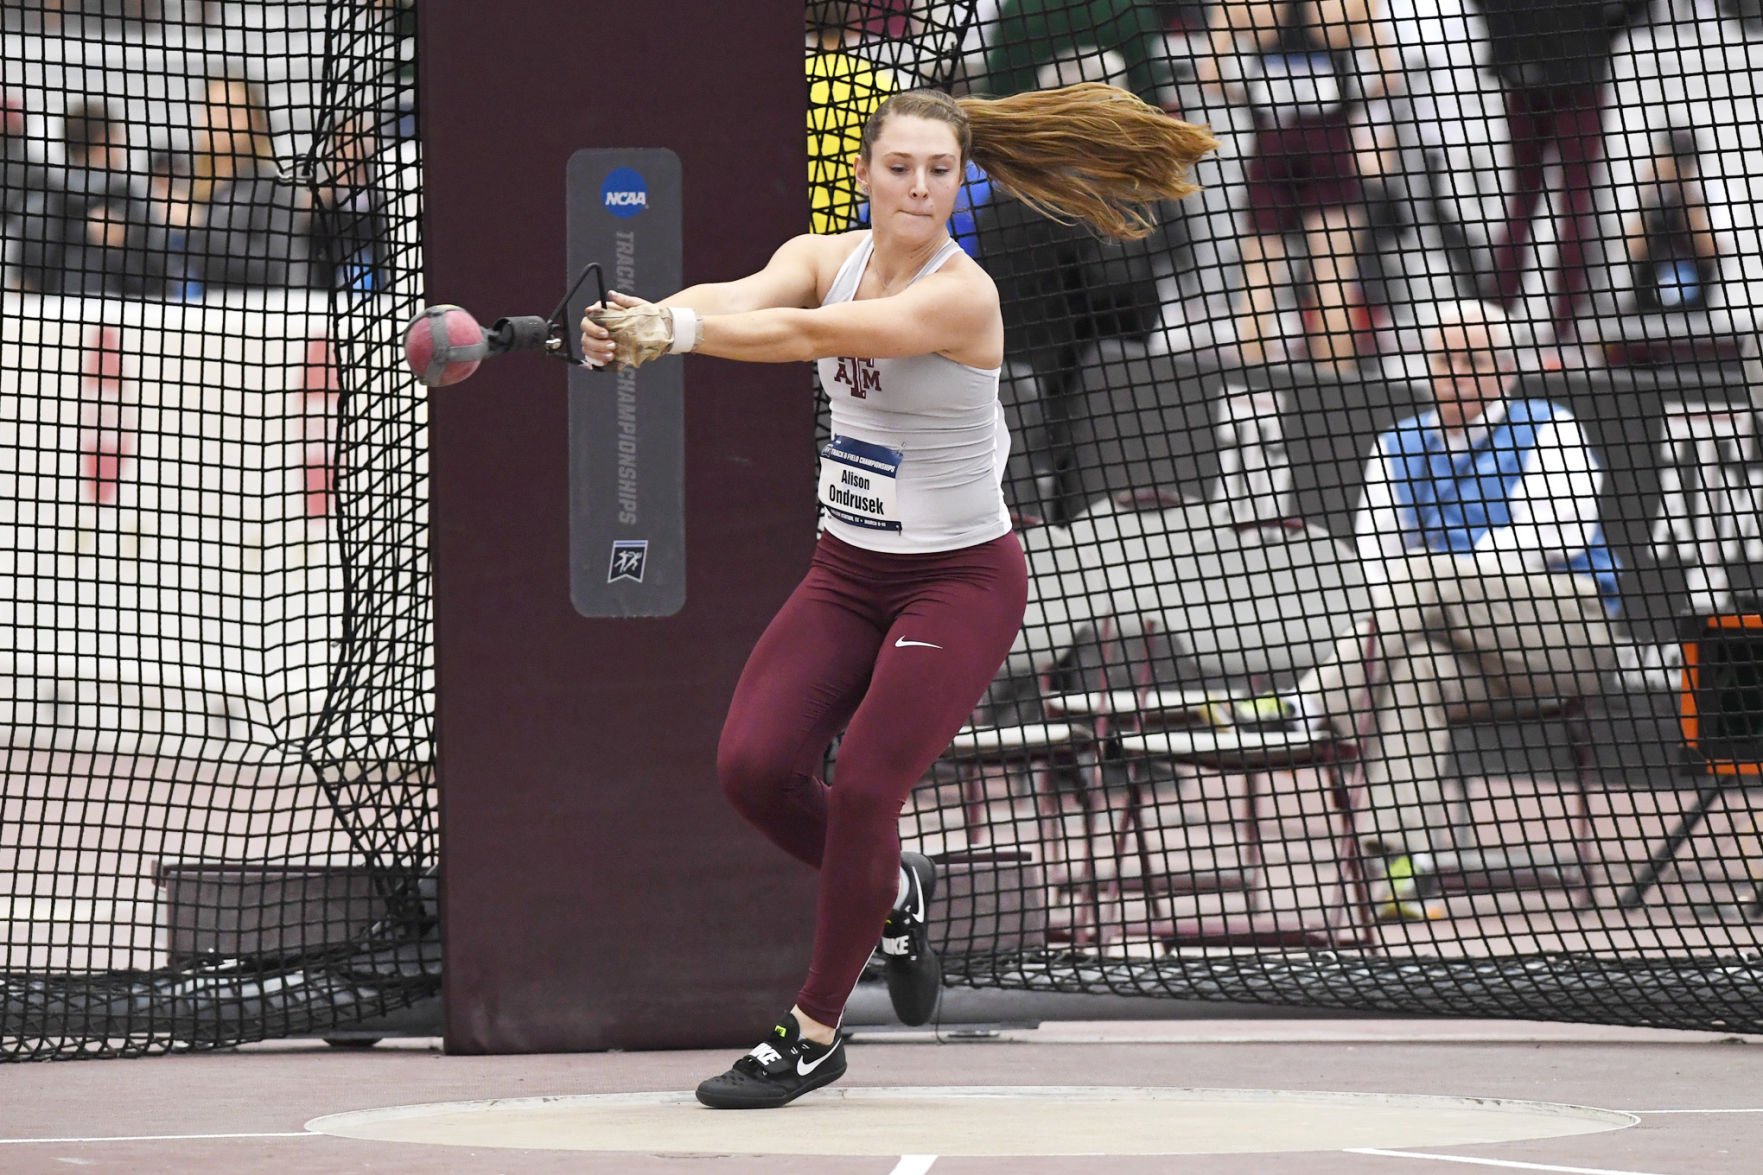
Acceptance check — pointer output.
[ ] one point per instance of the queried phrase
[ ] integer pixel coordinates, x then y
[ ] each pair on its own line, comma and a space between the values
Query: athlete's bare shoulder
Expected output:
963, 273
965, 294
964, 268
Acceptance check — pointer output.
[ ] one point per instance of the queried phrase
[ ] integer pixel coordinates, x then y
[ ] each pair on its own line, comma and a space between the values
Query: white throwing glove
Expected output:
639, 330
639, 333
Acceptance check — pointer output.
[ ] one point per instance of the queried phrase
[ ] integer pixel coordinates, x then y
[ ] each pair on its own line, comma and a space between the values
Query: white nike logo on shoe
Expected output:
914, 904
803, 1068
904, 643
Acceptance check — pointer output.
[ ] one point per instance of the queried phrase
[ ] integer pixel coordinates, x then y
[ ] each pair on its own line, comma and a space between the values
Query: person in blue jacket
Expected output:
1478, 527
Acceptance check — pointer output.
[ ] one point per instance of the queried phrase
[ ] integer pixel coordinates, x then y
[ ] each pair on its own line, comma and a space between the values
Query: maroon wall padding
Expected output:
598, 891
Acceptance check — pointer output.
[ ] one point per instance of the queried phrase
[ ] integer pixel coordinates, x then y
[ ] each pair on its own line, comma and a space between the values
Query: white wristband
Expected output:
685, 329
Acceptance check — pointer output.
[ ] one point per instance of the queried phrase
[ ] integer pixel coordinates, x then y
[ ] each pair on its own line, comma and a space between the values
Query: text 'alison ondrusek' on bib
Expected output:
859, 483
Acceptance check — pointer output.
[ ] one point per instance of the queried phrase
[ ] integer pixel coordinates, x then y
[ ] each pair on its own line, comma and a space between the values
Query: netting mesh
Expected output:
215, 811
1312, 706
1355, 666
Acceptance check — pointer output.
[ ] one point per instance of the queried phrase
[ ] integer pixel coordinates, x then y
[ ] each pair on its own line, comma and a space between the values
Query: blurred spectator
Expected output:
136, 11
927, 51
108, 20
888, 19
349, 217
1183, 14
1479, 525
88, 233
1553, 57
400, 17
914, 41
1745, 12
978, 32
1671, 246
249, 228
1040, 44
97, 150
1297, 65
169, 188
112, 251
844, 89
21, 178
170, 200
22, 183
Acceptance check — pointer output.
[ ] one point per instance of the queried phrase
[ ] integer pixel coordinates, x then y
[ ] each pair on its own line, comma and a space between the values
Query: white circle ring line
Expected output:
672, 1122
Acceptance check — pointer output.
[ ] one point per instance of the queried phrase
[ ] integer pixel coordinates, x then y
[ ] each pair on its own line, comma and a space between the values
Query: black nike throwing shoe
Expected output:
778, 1070
915, 974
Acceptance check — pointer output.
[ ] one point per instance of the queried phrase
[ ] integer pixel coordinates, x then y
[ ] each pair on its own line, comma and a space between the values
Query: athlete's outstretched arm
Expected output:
941, 313
935, 315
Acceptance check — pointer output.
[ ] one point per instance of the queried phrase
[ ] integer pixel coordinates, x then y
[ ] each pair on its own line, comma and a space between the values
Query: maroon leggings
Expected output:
896, 650
1571, 120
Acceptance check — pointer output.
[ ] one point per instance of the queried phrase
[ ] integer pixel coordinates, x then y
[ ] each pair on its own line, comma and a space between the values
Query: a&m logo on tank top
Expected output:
860, 376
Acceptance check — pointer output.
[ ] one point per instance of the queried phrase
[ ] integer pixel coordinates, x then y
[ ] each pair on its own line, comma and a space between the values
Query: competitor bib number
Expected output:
859, 483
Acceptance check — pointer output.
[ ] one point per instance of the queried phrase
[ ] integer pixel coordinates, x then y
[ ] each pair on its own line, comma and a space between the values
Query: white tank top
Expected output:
916, 460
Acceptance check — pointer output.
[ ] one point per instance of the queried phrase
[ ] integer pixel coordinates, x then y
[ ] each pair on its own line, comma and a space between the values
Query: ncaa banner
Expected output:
627, 522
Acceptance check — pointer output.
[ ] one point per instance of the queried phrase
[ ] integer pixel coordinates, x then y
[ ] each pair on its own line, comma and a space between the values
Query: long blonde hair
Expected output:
1088, 152
211, 168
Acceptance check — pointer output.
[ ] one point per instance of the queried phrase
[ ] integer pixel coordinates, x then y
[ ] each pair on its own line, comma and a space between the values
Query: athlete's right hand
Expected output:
628, 334
598, 347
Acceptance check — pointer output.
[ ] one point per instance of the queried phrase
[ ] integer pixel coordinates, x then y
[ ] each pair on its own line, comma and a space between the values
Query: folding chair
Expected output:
1254, 755
1135, 720
1174, 727
1470, 868
1036, 748
1040, 750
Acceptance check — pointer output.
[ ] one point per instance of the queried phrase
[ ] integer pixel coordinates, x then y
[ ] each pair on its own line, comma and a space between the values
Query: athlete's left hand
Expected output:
637, 330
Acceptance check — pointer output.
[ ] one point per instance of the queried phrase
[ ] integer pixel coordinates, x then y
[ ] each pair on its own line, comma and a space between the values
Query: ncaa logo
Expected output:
625, 193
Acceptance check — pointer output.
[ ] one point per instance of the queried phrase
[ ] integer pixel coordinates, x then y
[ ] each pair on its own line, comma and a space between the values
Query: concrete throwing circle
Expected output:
980, 1121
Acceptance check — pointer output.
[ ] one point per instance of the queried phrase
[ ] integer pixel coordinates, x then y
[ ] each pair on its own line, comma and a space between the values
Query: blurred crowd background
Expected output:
1568, 159
163, 149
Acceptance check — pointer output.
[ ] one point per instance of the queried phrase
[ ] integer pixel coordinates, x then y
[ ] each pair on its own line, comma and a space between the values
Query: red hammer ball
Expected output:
444, 345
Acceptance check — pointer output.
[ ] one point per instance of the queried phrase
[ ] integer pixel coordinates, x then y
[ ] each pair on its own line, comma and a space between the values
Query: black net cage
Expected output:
1392, 511
216, 811
1390, 508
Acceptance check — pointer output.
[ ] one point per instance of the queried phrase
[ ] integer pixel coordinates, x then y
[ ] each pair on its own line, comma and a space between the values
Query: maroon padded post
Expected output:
597, 890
